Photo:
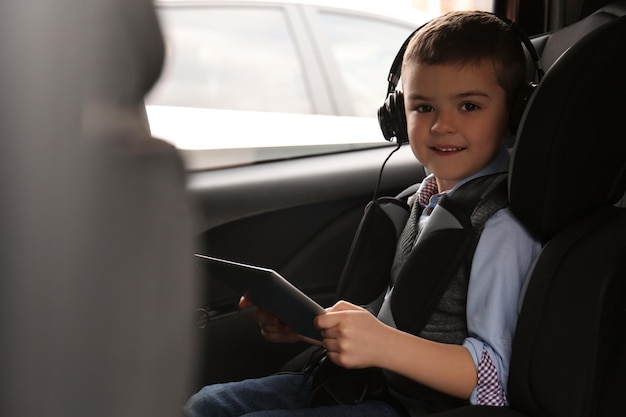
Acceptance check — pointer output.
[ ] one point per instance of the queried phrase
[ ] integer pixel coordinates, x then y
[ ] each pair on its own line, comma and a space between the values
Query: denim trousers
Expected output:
275, 395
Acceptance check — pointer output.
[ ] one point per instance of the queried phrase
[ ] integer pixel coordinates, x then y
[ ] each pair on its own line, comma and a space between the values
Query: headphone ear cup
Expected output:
385, 120
392, 118
399, 118
519, 105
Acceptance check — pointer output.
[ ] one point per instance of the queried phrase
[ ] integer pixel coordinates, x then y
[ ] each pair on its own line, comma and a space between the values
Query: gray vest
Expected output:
430, 282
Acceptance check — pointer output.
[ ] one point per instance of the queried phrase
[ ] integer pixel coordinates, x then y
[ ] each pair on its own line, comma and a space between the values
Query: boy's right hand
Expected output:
272, 328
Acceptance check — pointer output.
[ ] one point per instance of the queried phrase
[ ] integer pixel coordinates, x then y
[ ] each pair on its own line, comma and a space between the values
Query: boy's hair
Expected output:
464, 37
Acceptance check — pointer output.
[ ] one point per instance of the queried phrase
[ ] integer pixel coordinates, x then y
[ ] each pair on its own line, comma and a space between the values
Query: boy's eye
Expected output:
469, 107
424, 108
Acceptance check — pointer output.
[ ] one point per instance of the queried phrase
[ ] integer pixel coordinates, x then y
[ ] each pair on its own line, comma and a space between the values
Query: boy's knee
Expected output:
208, 402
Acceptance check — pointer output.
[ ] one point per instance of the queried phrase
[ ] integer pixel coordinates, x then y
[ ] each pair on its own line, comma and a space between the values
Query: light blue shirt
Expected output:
503, 257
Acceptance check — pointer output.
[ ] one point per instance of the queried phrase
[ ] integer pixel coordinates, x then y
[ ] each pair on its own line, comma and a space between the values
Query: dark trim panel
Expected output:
225, 195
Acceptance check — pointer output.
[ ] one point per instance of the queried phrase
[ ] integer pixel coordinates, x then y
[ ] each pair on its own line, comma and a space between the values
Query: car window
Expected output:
252, 81
363, 49
227, 58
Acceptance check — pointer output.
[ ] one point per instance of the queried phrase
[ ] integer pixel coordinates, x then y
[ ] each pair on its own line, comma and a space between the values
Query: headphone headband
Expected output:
394, 72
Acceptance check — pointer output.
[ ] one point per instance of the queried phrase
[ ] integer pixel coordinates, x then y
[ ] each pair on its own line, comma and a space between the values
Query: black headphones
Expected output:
392, 117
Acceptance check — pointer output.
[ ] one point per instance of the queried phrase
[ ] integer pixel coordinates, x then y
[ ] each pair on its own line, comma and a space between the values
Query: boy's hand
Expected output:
352, 335
272, 328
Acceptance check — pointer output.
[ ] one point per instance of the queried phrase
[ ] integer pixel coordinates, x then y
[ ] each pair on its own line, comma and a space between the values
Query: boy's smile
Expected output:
456, 117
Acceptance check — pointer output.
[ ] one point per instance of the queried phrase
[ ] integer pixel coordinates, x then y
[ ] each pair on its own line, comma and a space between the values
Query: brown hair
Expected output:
464, 37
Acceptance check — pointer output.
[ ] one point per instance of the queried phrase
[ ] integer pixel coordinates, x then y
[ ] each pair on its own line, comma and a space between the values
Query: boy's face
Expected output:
456, 118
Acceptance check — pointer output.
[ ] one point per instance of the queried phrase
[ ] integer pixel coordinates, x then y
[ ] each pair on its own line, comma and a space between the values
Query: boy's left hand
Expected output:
351, 335
272, 328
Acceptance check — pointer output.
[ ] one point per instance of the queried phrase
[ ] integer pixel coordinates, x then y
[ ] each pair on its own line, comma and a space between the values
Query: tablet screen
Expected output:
268, 290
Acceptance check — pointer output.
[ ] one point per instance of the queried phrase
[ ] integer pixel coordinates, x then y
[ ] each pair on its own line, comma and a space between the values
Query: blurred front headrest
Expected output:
123, 50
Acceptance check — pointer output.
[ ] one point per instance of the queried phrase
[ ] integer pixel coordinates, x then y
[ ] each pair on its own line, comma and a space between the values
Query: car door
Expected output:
271, 184
296, 216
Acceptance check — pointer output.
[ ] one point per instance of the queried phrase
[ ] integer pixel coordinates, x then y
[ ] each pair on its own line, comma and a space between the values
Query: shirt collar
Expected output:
498, 165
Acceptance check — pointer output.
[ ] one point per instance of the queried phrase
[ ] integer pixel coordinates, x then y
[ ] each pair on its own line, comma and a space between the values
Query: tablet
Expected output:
268, 290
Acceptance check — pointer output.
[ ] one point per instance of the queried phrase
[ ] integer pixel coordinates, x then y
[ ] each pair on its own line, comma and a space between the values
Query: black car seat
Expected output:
97, 274
552, 45
568, 172
379, 231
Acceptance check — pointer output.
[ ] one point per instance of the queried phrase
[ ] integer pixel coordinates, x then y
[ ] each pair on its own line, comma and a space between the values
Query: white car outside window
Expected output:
251, 81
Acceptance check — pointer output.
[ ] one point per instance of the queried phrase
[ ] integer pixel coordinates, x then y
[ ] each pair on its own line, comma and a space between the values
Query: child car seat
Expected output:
552, 45
568, 171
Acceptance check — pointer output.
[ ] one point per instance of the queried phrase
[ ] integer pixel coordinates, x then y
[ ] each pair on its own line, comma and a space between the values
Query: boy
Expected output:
460, 74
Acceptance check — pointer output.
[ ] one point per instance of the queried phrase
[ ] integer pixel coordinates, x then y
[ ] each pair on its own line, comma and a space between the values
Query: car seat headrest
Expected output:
570, 150
125, 50
560, 40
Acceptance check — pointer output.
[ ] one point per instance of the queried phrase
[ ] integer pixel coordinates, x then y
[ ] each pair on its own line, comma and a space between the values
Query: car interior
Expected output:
104, 307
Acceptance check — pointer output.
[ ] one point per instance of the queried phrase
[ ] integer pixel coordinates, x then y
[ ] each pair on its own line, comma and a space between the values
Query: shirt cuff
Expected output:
488, 391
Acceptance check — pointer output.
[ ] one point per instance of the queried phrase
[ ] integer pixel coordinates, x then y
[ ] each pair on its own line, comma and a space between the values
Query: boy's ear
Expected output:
519, 105
392, 118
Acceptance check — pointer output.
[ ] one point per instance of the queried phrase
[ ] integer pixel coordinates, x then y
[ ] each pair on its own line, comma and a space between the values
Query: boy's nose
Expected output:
443, 124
